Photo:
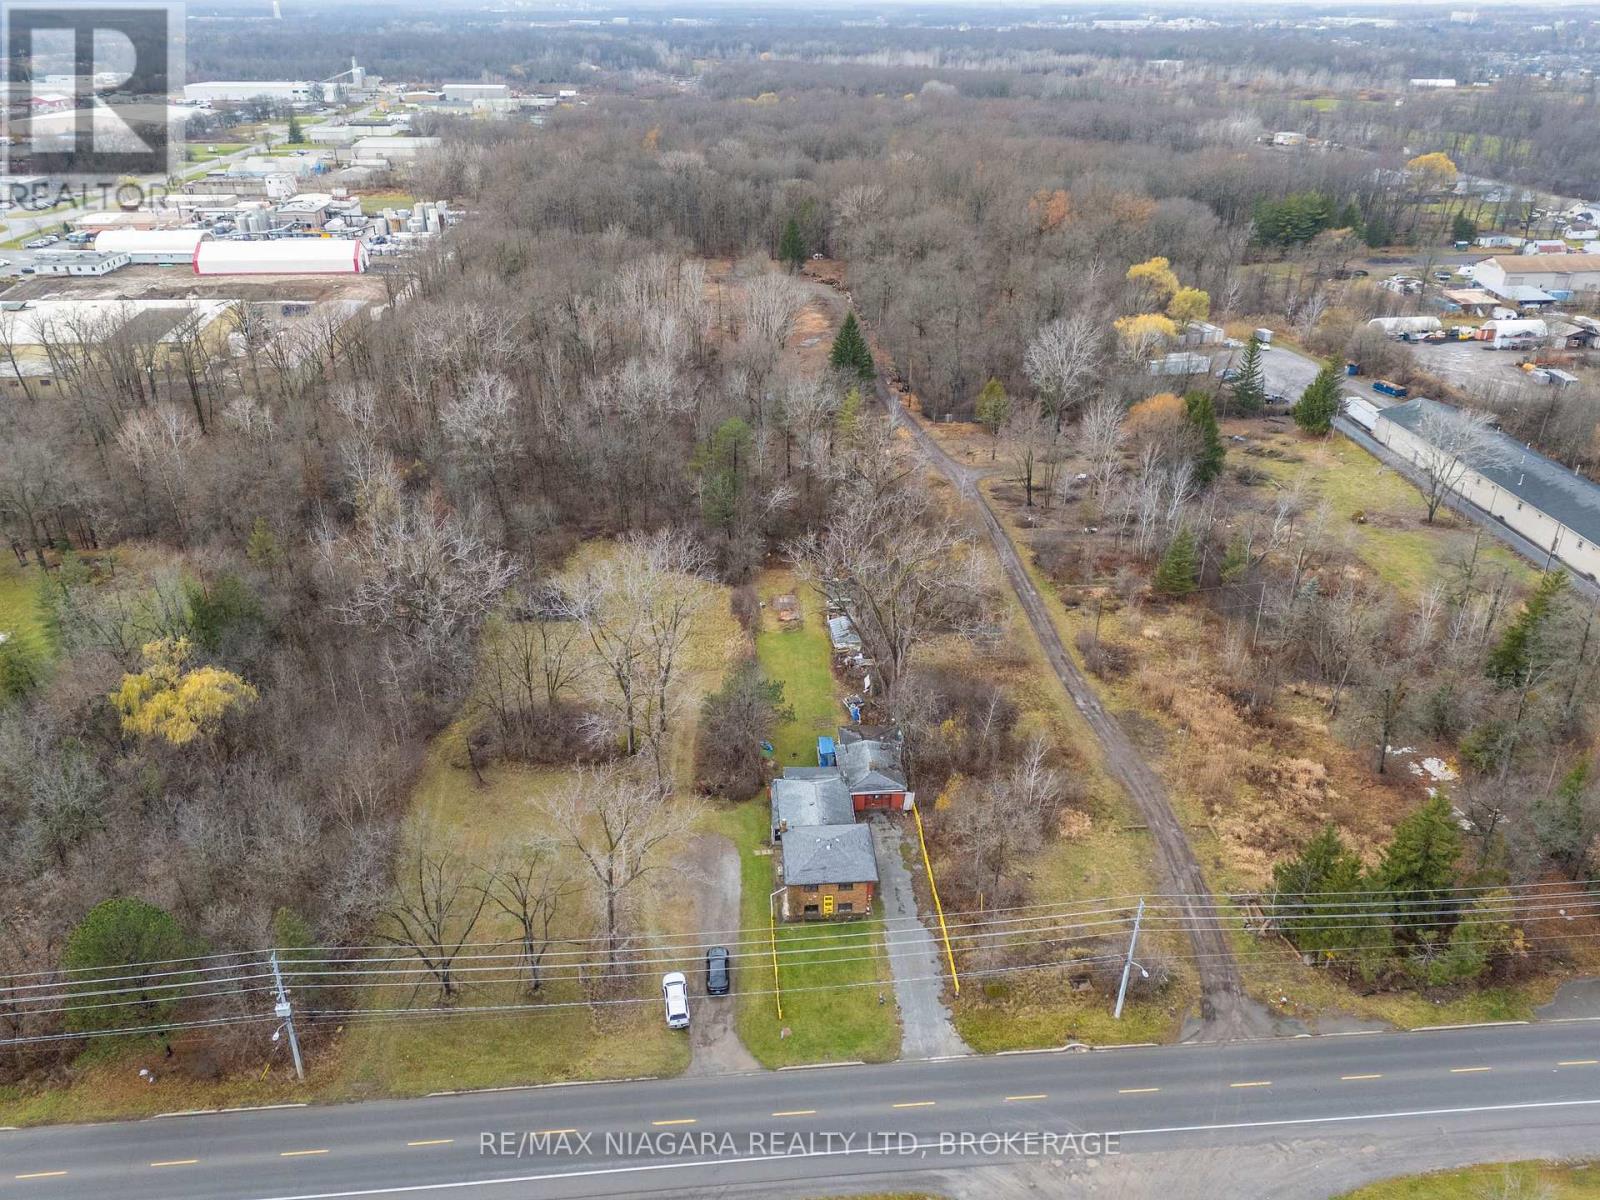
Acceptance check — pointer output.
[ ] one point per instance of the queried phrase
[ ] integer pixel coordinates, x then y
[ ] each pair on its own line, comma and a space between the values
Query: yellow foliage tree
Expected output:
1143, 332
1189, 305
1433, 172
1154, 416
1050, 210
1156, 274
168, 702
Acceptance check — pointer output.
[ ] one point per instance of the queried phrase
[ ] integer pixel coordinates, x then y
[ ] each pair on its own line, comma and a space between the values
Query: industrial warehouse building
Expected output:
159, 247
1556, 509
238, 90
1506, 273
284, 256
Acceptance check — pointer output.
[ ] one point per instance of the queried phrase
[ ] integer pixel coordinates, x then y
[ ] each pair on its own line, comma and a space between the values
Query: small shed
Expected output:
842, 633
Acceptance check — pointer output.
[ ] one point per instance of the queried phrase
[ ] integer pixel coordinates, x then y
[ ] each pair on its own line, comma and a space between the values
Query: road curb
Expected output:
559, 1083
849, 1062
244, 1108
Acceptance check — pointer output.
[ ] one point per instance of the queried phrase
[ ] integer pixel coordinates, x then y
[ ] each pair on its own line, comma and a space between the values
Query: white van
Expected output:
675, 994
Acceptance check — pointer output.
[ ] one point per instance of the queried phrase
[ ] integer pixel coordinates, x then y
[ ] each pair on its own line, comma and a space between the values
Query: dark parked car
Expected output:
718, 979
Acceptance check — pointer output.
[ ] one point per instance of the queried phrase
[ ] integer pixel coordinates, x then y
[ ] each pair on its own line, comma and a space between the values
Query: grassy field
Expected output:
21, 616
1394, 540
376, 202
1527, 1180
199, 152
801, 658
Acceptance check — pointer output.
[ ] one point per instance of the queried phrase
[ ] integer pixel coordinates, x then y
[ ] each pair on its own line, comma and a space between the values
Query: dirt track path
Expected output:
1225, 1011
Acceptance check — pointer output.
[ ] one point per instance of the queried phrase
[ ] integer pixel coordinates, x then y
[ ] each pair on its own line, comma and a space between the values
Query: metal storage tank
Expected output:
284, 256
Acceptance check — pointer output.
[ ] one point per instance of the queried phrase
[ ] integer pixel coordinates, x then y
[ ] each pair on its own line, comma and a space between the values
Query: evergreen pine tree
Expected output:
1317, 896
296, 136
1522, 651
1179, 571
1463, 228
1349, 217
1419, 869
993, 409
1236, 559
1319, 403
1563, 823
1250, 389
850, 352
792, 245
1201, 416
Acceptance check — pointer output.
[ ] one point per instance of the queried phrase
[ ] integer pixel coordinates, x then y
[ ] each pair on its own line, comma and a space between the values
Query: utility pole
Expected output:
1127, 966
285, 1013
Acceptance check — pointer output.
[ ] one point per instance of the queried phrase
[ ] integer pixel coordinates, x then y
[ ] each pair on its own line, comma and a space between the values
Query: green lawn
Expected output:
801, 658
199, 152
1531, 1180
830, 975
1395, 541
21, 617
376, 202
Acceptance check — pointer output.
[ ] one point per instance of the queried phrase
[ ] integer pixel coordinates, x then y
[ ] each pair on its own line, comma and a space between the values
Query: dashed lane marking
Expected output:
676, 1121
1034, 1096
299, 1153
1135, 1091
1252, 1083
1348, 1078
1469, 1070
432, 1142
42, 1175
176, 1162
796, 1112
915, 1104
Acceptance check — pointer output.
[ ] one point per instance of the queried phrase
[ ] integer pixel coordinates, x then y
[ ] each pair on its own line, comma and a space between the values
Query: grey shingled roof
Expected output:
1524, 473
829, 854
797, 803
870, 765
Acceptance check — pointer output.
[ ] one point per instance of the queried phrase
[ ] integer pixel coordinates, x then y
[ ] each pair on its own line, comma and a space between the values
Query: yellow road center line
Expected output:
1035, 1096
1253, 1083
1349, 1077
678, 1121
555, 1132
1580, 1062
176, 1162
298, 1153
1135, 1091
916, 1104
41, 1175
1468, 1070
796, 1112
432, 1142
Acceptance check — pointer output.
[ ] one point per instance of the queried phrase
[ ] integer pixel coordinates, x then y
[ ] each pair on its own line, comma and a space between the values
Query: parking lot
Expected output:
1470, 367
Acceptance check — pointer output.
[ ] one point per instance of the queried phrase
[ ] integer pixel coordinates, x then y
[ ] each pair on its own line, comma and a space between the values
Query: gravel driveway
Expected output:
708, 882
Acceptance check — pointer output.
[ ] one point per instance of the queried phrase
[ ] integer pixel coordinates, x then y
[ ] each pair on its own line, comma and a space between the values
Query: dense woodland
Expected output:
265, 587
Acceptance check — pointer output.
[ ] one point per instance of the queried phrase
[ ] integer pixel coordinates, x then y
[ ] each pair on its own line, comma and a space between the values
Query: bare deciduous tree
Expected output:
1453, 441
1061, 360
618, 821
530, 888
436, 908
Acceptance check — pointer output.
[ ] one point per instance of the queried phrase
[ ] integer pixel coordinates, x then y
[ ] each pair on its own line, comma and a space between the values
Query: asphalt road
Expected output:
786, 1132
